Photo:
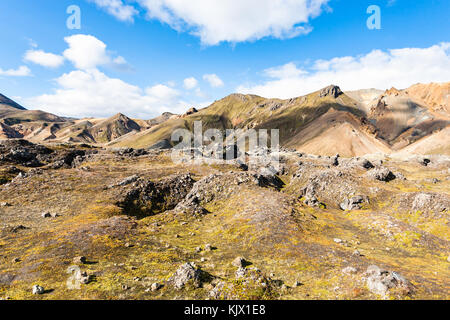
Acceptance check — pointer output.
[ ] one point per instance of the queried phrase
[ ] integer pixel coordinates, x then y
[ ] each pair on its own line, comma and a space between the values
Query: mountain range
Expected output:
325, 122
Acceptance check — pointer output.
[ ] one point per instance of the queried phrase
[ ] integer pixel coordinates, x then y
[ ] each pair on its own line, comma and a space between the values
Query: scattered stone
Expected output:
381, 174
198, 249
18, 228
126, 181
381, 281
297, 284
125, 287
46, 215
241, 272
37, 289
80, 260
356, 253
366, 164
16, 260
239, 262
155, 286
202, 259
84, 278
337, 240
128, 245
5, 204
353, 203
425, 162
186, 273
208, 247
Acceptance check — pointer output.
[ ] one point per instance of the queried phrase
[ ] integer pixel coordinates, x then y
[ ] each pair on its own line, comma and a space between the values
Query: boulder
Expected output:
381, 174
382, 282
37, 289
187, 272
353, 203
239, 262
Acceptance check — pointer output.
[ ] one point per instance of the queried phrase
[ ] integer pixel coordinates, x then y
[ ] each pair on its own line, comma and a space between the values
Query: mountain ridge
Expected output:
367, 120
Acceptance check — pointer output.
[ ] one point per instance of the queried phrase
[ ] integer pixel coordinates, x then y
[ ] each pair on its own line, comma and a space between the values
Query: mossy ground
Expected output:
272, 229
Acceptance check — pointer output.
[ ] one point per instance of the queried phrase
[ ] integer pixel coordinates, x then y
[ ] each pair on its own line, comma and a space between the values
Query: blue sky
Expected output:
134, 56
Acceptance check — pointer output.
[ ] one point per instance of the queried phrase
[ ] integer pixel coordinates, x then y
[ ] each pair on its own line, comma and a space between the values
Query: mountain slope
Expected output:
5, 101
238, 111
338, 132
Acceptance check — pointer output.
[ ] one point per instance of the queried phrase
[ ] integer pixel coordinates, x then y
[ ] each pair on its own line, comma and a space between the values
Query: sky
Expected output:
145, 57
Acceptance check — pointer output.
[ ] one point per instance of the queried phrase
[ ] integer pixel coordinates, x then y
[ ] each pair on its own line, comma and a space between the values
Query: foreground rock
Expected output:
383, 282
187, 273
37, 289
353, 203
381, 174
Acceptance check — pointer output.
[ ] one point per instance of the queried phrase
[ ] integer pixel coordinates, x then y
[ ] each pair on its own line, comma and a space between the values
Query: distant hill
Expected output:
324, 122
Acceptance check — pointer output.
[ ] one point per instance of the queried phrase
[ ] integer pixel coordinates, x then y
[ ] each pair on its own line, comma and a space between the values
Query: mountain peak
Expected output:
7, 101
330, 91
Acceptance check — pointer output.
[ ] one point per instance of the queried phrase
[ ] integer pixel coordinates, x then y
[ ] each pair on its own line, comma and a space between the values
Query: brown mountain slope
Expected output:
436, 143
434, 95
240, 111
401, 119
338, 132
112, 128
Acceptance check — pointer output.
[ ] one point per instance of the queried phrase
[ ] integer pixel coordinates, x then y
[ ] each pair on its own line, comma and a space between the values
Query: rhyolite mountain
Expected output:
325, 122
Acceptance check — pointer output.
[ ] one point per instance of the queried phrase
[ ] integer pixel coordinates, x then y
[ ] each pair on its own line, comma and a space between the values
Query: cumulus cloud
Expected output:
117, 8
44, 59
22, 71
236, 20
83, 93
88, 52
378, 69
214, 80
190, 83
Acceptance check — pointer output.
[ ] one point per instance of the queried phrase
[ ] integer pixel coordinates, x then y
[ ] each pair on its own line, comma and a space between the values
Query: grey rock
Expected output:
353, 203
381, 174
239, 262
380, 281
186, 273
155, 286
80, 260
37, 289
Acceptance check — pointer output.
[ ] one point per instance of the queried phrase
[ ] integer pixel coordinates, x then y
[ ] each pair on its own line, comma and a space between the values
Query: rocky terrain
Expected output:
87, 222
358, 207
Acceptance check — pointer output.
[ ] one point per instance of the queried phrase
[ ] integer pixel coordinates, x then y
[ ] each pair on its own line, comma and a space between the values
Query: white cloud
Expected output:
190, 83
214, 80
236, 20
118, 9
378, 69
83, 93
88, 52
45, 59
22, 71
